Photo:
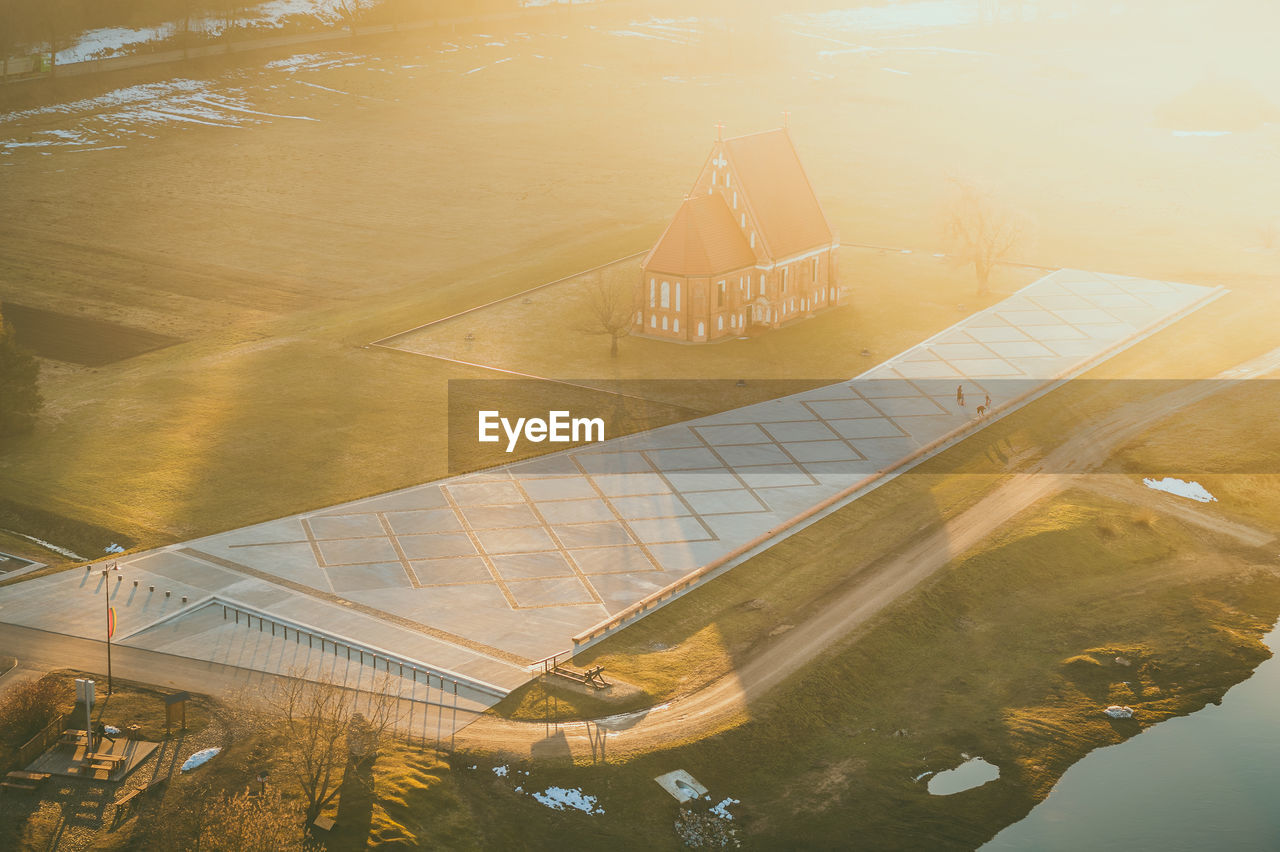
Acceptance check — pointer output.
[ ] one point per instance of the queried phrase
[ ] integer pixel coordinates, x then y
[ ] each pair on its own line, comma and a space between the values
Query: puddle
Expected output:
974, 772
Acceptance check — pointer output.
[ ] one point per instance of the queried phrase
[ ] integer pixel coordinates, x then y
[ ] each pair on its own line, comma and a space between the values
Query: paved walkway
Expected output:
484, 574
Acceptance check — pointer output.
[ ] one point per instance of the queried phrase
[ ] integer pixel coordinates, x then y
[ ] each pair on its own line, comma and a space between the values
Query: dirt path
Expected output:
725, 701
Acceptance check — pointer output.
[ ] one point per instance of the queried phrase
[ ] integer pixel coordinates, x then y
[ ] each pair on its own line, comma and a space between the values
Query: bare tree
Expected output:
231, 10
183, 28
350, 11
326, 732
59, 20
984, 230
610, 307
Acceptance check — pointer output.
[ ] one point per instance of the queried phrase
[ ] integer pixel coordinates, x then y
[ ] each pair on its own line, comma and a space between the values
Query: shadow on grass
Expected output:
355, 806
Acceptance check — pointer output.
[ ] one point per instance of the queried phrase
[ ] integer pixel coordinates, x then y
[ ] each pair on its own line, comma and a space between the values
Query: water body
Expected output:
1204, 781
974, 772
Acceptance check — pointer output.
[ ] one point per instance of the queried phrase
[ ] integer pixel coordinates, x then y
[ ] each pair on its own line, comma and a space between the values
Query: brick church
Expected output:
749, 249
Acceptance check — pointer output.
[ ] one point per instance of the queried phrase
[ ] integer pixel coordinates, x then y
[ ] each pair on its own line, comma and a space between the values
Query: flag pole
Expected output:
106, 582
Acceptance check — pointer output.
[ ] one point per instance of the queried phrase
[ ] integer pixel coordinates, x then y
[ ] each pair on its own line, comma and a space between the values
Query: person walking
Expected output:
960, 395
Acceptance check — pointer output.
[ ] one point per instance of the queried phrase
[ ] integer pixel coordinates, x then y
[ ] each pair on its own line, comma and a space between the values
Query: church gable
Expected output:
777, 191
719, 178
702, 239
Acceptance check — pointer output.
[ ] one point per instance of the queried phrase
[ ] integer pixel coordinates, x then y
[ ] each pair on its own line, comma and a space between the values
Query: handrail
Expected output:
414, 667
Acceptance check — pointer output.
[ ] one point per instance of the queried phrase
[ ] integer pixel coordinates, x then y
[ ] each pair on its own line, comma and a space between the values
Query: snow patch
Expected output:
500, 771
70, 554
722, 810
1191, 490
558, 798
200, 758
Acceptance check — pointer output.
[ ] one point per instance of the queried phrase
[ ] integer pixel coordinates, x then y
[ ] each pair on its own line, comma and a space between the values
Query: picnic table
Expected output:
101, 760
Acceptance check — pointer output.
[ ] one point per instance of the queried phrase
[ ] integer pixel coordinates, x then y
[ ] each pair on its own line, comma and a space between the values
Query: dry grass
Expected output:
981, 661
891, 302
1230, 444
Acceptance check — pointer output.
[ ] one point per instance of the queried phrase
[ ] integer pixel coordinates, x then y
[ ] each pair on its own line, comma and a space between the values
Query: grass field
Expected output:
891, 302
85, 341
271, 405
1228, 444
836, 749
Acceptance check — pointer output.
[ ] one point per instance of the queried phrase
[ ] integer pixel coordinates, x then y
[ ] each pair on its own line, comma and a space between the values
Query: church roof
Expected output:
778, 191
702, 239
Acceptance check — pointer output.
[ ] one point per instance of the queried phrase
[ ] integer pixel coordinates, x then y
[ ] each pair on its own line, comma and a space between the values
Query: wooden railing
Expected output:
41, 742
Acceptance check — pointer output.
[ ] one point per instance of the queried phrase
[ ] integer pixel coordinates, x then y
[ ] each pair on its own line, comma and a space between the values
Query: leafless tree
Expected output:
610, 306
231, 10
59, 20
326, 732
985, 231
183, 27
350, 10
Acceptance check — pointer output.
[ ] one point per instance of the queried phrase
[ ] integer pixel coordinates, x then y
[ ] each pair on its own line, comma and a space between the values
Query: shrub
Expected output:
29, 706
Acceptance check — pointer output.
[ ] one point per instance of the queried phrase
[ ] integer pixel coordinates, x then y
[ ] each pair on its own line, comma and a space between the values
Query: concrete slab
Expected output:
487, 573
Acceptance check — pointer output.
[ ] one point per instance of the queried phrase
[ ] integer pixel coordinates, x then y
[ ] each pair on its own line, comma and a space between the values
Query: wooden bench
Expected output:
129, 797
25, 786
124, 805
22, 780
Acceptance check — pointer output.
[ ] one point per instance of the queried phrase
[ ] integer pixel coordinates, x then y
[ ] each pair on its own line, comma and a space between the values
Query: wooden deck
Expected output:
113, 760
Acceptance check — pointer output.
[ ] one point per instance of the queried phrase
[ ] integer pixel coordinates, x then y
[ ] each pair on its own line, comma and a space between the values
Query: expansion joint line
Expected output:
380, 615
